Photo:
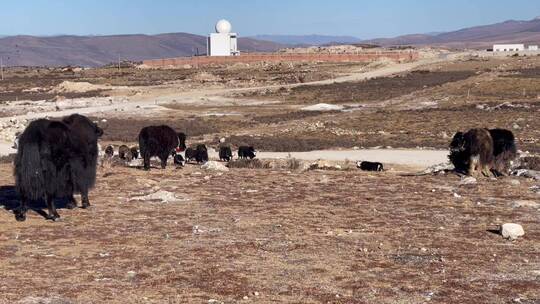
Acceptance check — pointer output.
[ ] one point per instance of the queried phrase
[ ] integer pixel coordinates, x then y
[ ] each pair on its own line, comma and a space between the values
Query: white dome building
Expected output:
223, 27
222, 42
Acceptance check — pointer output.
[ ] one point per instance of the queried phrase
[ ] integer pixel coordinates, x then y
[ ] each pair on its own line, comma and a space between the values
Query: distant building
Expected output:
508, 47
533, 47
222, 42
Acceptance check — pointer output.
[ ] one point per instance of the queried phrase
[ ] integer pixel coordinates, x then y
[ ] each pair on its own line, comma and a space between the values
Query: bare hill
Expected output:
100, 50
511, 31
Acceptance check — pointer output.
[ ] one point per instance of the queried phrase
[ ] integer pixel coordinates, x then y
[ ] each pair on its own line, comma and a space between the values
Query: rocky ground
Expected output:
271, 231
262, 235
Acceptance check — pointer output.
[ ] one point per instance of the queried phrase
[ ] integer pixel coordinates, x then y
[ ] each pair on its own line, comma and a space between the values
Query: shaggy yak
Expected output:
472, 152
369, 166
190, 154
201, 154
246, 152
504, 151
178, 160
125, 153
109, 151
56, 159
134, 152
489, 150
225, 153
160, 141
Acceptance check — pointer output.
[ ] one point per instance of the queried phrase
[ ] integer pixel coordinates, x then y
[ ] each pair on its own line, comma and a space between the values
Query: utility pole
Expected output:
119, 63
2, 68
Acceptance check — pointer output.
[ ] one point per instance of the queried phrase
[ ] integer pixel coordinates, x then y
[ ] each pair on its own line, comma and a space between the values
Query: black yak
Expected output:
56, 159
225, 153
201, 154
179, 160
369, 166
504, 151
246, 152
472, 152
190, 154
124, 153
134, 152
109, 151
160, 141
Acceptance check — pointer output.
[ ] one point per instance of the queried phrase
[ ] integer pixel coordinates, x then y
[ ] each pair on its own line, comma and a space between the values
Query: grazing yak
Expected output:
56, 159
199, 154
369, 166
225, 153
134, 152
160, 141
179, 160
246, 152
487, 151
125, 153
109, 151
504, 151
202, 154
190, 154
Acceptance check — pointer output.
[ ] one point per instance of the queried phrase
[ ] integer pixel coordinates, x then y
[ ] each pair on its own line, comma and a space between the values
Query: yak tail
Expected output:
29, 177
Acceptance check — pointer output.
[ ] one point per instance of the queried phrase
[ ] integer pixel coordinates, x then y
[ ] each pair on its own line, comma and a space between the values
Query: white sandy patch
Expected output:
323, 107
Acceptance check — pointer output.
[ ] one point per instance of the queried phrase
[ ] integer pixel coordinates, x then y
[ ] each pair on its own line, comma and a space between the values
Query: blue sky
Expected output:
364, 19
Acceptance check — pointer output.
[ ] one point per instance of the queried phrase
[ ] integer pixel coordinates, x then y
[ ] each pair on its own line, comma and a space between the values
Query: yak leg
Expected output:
163, 159
85, 200
20, 213
473, 165
53, 215
146, 162
72, 204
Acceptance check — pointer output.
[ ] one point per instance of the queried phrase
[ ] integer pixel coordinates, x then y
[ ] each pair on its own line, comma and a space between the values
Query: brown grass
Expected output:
313, 237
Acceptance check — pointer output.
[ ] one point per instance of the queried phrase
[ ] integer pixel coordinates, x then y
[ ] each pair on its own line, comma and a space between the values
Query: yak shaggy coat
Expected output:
55, 160
159, 141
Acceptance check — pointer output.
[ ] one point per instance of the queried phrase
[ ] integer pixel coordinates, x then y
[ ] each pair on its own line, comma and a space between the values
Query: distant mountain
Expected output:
306, 40
511, 31
100, 50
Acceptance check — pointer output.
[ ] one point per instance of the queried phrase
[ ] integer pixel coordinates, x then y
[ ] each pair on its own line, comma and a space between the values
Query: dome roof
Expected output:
223, 26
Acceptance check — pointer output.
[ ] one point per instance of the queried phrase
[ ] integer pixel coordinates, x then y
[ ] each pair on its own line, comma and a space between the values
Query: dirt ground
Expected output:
265, 236
281, 236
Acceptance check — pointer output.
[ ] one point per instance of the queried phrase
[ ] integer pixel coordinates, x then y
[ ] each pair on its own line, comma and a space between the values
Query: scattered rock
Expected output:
131, 275
469, 180
161, 196
214, 166
525, 204
512, 231
514, 182
527, 173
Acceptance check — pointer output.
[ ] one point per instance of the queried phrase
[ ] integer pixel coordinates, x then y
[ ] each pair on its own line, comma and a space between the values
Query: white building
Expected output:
508, 47
533, 47
222, 42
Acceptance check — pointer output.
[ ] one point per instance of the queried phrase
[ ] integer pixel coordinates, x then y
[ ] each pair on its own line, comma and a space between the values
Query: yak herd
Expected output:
58, 158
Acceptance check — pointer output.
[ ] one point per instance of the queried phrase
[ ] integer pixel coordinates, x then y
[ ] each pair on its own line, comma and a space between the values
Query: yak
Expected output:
56, 159
369, 166
225, 153
472, 152
190, 154
109, 151
160, 141
134, 152
201, 154
504, 151
246, 152
500, 142
179, 160
125, 153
